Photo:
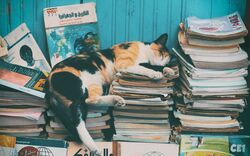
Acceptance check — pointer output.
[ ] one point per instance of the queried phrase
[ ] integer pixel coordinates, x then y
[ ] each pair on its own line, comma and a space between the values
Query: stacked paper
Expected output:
98, 124
212, 74
145, 118
21, 114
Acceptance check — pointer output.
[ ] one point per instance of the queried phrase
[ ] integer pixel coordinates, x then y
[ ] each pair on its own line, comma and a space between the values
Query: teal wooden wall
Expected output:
119, 20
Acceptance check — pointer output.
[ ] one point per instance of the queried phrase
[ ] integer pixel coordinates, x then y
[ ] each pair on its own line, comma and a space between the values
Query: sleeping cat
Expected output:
78, 81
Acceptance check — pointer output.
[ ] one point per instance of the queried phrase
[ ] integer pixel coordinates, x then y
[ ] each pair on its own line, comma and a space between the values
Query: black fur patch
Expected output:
147, 43
84, 63
153, 67
66, 116
80, 112
68, 85
124, 45
163, 49
109, 54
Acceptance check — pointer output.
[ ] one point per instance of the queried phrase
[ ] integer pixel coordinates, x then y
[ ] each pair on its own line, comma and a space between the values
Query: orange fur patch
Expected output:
156, 49
126, 57
104, 71
94, 91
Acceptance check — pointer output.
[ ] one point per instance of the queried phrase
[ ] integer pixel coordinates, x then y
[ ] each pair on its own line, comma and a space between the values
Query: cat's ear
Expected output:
162, 39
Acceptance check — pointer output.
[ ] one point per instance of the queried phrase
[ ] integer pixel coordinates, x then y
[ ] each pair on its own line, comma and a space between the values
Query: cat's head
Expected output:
159, 54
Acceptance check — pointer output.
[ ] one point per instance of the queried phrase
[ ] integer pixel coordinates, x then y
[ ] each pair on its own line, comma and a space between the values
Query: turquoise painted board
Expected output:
119, 20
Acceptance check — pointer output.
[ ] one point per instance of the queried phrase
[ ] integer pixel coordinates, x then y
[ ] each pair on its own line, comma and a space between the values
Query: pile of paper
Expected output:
21, 114
212, 74
98, 124
145, 118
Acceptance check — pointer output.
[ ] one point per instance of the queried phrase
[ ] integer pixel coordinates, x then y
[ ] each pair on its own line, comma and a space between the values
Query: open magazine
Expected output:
70, 30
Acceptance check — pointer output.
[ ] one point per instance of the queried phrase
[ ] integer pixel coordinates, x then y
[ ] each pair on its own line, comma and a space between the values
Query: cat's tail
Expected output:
72, 113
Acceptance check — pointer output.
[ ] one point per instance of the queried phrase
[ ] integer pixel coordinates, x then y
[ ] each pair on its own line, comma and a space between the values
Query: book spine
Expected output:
42, 142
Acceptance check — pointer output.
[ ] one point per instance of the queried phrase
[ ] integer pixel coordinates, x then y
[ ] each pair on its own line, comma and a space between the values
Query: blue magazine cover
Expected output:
215, 145
70, 30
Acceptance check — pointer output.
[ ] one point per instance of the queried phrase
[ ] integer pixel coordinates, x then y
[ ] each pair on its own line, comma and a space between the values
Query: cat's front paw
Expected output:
156, 75
119, 101
168, 72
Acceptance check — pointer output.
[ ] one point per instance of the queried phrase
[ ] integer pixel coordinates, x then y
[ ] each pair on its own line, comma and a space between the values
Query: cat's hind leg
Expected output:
79, 112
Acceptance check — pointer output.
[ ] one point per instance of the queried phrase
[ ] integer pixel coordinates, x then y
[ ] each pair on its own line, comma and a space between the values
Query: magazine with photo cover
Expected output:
70, 30
24, 146
199, 145
23, 50
21, 78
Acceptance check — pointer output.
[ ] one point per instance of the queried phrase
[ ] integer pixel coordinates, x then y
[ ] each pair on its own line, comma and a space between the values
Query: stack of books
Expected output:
212, 74
98, 124
21, 114
145, 118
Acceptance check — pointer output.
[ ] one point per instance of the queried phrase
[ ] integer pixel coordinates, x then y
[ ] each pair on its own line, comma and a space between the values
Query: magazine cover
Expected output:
70, 30
146, 149
200, 145
22, 146
21, 78
226, 25
24, 51
79, 150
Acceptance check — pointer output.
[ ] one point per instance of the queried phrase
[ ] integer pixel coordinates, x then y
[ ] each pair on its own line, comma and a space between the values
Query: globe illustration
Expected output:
154, 153
43, 151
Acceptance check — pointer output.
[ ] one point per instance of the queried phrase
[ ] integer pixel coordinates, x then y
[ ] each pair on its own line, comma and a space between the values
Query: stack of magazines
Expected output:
213, 71
98, 123
145, 118
21, 114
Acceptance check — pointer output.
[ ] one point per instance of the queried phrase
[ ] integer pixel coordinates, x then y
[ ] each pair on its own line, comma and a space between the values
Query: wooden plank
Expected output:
15, 14
28, 14
201, 9
105, 16
238, 5
40, 36
162, 17
4, 18
120, 21
148, 20
175, 19
220, 8
134, 20
53, 3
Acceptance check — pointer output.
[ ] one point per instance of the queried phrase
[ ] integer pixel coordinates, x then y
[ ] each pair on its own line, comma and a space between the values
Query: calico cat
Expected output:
78, 81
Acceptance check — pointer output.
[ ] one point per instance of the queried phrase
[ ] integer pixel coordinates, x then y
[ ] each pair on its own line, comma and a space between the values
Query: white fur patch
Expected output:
159, 61
88, 79
85, 137
144, 53
110, 69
